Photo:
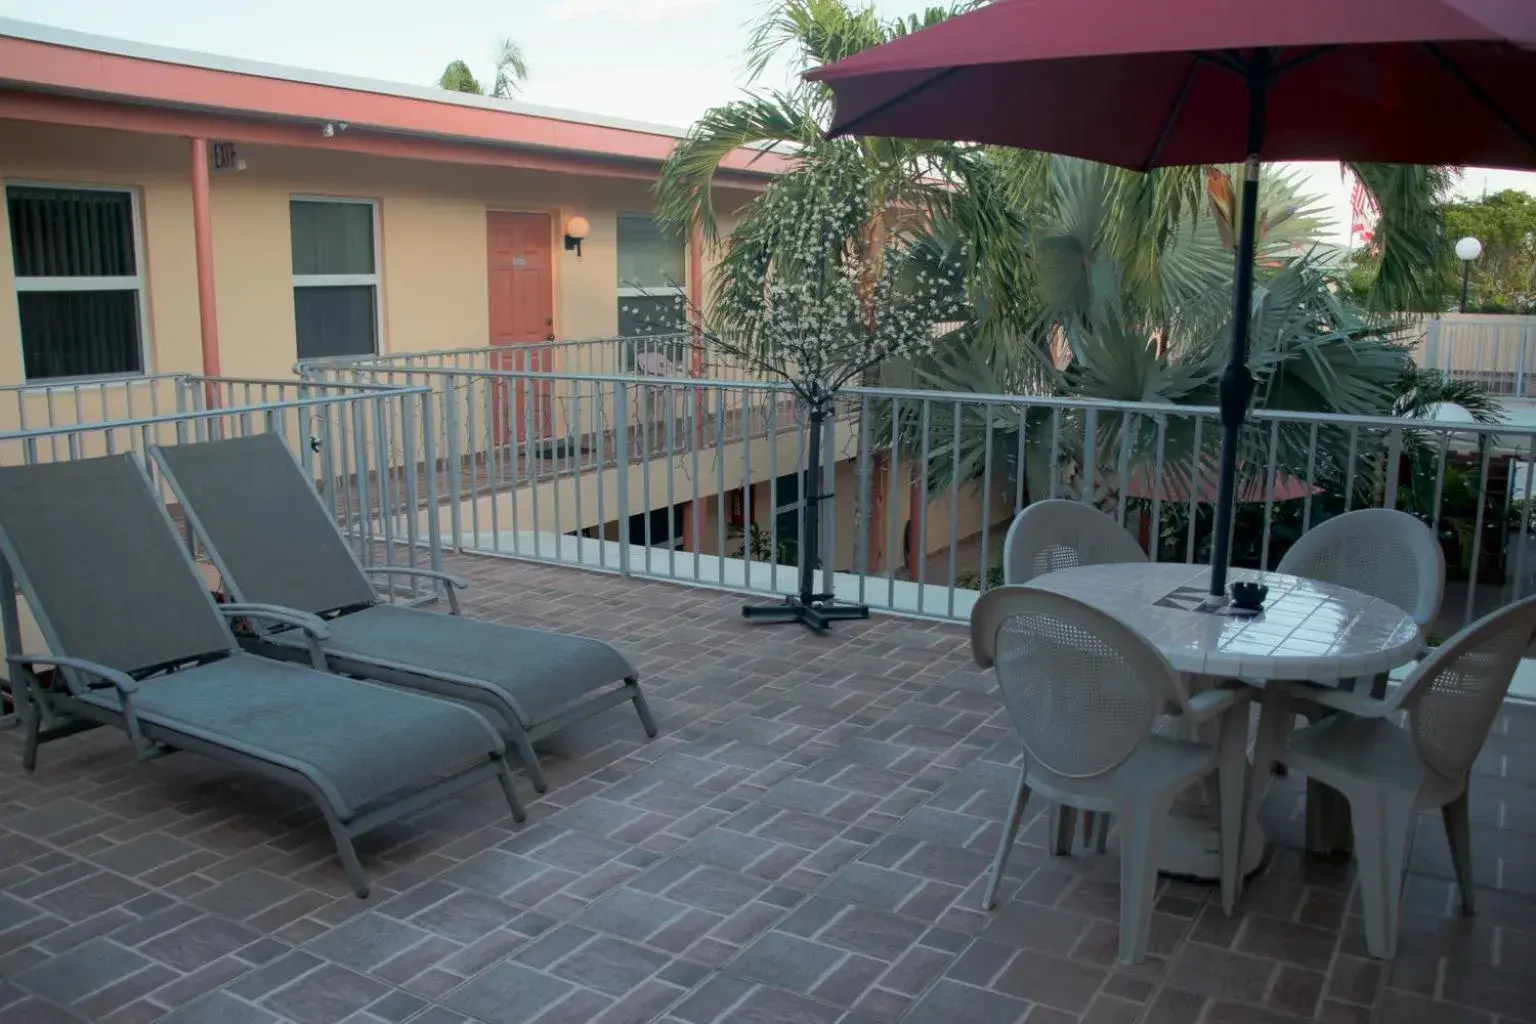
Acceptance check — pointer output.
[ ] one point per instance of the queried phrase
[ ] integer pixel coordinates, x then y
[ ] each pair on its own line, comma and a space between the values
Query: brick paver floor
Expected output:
805, 843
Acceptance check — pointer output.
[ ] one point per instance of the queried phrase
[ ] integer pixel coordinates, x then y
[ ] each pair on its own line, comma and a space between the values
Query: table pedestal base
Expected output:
1190, 846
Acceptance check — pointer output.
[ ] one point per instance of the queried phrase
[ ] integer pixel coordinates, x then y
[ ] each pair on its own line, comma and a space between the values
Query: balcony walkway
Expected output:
804, 843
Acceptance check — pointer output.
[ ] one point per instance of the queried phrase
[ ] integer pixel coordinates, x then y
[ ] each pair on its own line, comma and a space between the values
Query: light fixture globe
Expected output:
1468, 249
576, 228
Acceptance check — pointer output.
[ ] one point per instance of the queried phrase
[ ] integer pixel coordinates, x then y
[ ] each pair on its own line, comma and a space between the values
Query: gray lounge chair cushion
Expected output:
102, 565
357, 742
534, 671
269, 532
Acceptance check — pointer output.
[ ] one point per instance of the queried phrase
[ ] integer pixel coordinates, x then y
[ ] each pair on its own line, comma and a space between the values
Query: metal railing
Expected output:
668, 356
687, 480
1498, 352
364, 447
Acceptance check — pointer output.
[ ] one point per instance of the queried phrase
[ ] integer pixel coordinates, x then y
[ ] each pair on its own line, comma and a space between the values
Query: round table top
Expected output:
1308, 630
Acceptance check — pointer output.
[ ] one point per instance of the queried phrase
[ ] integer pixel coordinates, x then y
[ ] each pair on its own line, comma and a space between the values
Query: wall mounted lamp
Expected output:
575, 230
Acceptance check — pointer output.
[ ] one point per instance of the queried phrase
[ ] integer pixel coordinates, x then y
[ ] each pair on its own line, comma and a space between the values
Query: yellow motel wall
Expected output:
431, 238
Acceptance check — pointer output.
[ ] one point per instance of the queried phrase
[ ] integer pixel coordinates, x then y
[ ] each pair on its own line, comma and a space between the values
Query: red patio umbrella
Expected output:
1178, 486
1147, 85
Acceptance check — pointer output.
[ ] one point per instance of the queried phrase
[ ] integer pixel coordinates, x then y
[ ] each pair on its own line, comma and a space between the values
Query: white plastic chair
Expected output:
1389, 555
1058, 534
1084, 691
1377, 551
1390, 773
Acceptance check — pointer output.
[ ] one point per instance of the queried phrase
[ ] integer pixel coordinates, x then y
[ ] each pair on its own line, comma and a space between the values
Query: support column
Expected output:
696, 314
202, 227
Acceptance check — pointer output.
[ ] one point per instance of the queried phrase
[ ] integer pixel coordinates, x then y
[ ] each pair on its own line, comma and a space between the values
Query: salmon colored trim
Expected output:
149, 81
202, 235
84, 113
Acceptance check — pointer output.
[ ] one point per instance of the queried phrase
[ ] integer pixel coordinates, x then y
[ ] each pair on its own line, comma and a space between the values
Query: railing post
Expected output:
455, 467
429, 460
1525, 347
621, 453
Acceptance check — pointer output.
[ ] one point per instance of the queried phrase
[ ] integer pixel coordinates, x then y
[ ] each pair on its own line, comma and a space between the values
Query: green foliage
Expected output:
1504, 278
457, 77
510, 70
759, 546
1405, 270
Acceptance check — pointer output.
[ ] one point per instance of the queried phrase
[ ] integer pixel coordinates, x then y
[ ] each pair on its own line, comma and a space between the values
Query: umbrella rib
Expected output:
905, 94
1173, 113
1305, 58
1457, 72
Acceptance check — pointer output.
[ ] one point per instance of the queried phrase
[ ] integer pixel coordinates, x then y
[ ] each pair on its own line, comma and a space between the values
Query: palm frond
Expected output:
1413, 269
767, 121
457, 77
511, 68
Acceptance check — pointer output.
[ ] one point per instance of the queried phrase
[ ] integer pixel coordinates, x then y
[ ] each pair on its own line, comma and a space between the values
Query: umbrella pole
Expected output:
1237, 380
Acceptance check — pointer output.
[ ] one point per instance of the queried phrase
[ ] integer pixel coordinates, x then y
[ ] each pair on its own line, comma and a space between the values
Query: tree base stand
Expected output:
810, 609
817, 614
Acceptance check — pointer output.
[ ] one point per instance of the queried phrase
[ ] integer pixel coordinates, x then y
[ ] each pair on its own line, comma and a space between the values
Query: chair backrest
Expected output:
1455, 694
1377, 551
1083, 688
103, 568
654, 364
1057, 534
263, 524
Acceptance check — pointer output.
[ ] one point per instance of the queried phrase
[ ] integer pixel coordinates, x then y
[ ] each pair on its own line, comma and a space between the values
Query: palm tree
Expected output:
510, 70
1128, 274
1097, 329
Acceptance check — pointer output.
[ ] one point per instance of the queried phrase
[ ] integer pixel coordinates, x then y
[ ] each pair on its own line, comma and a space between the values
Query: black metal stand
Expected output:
813, 610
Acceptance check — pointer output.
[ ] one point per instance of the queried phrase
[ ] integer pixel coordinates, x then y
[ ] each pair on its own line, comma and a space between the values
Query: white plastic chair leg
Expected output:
1382, 819
1005, 843
1063, 825
1140, 829
1100, 841
1231, 776
1458, 832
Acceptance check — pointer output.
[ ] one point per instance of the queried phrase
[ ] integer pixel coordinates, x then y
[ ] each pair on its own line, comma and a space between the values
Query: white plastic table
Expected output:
1308, 632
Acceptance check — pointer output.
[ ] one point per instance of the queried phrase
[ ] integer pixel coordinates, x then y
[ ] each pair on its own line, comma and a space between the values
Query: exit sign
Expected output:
222, 156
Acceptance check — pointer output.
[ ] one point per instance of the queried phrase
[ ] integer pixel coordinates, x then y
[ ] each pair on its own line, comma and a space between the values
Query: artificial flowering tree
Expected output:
808, 292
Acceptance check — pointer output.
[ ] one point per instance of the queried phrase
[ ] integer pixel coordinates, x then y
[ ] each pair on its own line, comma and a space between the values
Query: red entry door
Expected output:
522, 316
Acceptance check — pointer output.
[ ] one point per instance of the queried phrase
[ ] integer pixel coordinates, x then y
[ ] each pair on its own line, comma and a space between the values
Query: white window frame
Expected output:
375, 279
631, 292
136, 283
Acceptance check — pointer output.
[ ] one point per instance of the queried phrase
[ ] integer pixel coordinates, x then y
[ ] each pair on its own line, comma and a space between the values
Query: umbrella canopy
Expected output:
1147, 85
1144, 85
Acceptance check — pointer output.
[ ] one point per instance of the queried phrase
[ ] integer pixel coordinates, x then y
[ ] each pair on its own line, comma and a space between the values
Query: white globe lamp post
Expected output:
1467, 250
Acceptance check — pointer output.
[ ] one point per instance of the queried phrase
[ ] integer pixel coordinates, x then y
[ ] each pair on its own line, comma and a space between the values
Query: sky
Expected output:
660, 61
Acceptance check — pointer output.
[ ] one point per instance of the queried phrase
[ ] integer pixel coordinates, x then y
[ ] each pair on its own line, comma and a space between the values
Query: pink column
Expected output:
202, 226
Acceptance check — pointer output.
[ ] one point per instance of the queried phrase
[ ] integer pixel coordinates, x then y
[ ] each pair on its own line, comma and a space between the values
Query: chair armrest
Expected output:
1213, 703
1361, 705
125, 685
313, 626
449, 581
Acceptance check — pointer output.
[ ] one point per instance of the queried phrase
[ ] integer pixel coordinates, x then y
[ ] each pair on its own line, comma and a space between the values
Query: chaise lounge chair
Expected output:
137, 642
266, 530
